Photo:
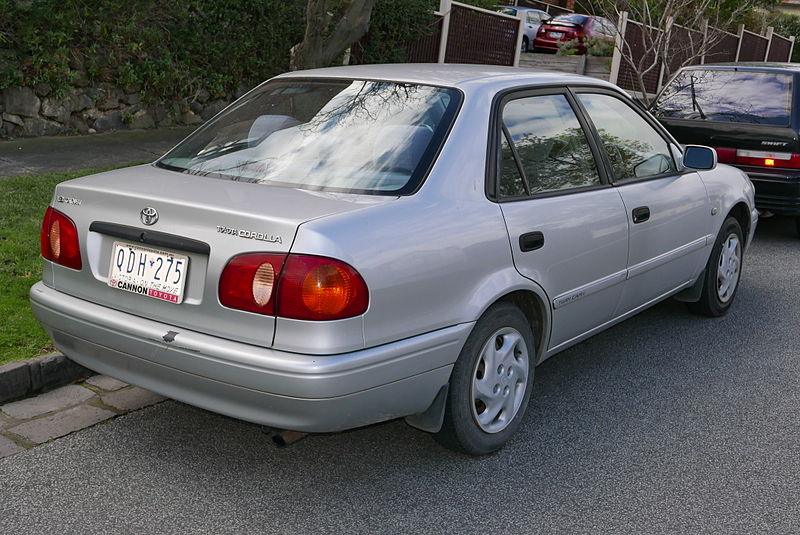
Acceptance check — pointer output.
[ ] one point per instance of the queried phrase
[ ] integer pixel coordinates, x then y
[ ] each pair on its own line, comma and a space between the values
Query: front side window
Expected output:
533, 18
333, 135
543, 148
634, 147
729, 96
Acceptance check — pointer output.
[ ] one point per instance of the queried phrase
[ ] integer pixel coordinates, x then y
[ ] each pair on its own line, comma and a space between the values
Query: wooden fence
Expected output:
461, 33
687, 46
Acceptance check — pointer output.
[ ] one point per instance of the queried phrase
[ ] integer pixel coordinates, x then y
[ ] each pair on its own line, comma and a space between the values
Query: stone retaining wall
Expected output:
38, 111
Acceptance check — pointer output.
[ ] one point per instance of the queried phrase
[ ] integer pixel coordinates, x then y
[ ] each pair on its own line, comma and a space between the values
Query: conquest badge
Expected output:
148, 215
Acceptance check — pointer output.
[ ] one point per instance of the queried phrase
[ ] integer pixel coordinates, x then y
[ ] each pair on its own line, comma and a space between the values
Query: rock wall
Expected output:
38, 111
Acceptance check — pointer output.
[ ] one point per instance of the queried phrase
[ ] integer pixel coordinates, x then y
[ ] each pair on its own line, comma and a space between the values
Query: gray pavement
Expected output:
666, 423
25, 156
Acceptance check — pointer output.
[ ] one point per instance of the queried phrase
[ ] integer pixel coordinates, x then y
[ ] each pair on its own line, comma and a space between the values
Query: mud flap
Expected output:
431, 420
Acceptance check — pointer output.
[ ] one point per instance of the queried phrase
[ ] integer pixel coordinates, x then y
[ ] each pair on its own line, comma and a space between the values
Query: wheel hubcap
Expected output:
728, 268
499, 380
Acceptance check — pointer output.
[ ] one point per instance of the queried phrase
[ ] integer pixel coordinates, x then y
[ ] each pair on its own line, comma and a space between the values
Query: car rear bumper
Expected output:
780, 194
546, 44
286, 390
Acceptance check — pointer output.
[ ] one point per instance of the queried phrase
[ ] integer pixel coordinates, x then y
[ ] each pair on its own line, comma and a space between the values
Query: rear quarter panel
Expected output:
436, 258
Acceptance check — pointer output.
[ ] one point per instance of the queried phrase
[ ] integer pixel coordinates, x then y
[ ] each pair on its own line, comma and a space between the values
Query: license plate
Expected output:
554, 35
152, 272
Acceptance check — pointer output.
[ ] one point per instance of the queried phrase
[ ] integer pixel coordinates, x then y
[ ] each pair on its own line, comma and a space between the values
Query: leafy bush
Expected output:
568, 48
595, 46
175, 49
163, 49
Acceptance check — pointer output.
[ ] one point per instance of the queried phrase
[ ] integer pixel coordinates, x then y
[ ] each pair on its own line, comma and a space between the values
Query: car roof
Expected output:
450, 75
773, 66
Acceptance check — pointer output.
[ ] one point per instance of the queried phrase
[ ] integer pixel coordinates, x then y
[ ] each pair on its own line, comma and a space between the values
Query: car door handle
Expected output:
641, 214
531, 241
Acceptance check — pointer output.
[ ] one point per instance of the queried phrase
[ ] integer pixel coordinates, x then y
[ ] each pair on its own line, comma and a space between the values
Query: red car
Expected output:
573, 26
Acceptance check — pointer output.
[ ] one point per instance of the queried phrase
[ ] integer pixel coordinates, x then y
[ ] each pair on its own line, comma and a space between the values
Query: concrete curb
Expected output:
27, 377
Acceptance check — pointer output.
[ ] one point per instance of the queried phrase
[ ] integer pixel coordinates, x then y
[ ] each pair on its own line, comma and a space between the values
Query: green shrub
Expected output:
163, 49
567, 48
596, 46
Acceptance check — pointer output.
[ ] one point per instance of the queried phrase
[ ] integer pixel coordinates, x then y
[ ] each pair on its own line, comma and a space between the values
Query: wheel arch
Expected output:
741, 213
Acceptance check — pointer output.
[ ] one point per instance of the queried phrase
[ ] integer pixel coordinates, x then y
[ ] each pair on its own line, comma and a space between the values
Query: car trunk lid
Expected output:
221, 220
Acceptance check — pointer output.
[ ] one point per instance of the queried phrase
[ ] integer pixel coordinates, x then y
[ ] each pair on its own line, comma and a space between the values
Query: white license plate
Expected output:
152, 272
554, 35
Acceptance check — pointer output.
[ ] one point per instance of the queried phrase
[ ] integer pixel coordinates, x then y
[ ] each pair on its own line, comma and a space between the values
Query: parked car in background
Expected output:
348, 245
532, 19
749, 113
573, 27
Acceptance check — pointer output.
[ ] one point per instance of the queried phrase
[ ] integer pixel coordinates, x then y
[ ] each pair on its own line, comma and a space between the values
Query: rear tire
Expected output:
491, 383
723, 272
797, 224
524, 44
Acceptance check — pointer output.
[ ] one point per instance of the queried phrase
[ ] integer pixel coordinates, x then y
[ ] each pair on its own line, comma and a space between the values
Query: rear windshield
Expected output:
729, 96
572, 19
353, 136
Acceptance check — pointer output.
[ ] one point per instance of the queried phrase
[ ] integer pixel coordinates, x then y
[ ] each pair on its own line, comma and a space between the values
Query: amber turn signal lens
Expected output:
326, 290
319, 288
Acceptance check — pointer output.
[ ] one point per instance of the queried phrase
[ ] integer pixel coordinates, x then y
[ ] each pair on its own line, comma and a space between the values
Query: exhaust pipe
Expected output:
286, 438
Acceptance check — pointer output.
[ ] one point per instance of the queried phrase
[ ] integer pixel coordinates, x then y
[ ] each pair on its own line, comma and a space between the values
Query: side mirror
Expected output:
699, 157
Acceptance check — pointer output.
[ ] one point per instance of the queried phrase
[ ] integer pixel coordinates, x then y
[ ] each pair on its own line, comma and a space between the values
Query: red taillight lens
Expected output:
768, 159
785, 160
318, 288
248, 282
59, 239
294, 286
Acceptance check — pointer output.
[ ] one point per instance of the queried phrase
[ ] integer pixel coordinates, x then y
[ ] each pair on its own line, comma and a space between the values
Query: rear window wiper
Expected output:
695, 104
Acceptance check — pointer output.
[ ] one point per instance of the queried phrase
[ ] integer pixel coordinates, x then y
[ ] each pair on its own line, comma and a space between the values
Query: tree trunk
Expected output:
325, 39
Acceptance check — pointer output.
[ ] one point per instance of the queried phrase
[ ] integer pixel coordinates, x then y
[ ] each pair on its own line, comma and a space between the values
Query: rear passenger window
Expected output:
543, 148
634, 147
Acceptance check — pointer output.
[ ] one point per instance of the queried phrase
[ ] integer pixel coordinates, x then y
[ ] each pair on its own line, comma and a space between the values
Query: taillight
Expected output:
319, 288
768, 159
59, 239
249, 282
293, 286
758, 158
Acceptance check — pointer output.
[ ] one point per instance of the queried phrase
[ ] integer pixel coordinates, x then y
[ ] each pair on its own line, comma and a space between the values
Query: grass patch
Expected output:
23, 200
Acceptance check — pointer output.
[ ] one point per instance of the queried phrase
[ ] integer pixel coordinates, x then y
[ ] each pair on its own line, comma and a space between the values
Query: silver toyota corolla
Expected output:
344, 246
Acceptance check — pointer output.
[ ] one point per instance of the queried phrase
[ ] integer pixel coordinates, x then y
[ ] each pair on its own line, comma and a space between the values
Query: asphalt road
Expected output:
667, 423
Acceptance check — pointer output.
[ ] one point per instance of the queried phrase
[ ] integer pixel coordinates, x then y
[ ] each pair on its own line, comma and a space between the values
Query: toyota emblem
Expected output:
149, 215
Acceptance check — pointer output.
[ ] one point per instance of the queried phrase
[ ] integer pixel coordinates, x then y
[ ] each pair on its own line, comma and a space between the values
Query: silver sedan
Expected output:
349, 245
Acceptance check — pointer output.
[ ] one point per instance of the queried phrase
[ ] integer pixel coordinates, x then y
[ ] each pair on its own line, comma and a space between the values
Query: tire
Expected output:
489, 389
797, 224
524, 44
723, 272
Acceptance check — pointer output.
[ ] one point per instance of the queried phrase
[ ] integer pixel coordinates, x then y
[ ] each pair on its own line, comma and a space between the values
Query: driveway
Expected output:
667, 423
